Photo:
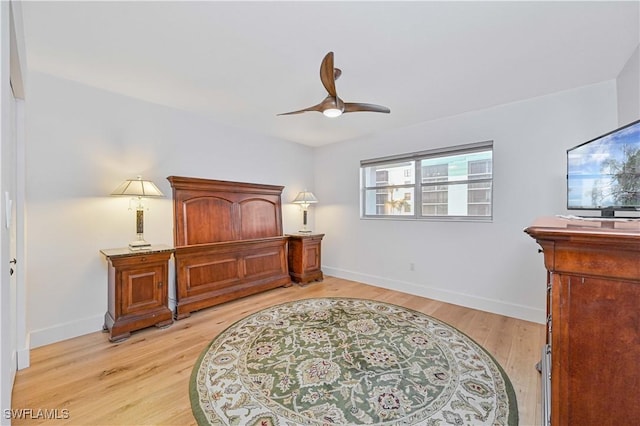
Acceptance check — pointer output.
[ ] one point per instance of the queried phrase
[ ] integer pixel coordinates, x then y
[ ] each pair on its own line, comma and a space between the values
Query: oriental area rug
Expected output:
343, 361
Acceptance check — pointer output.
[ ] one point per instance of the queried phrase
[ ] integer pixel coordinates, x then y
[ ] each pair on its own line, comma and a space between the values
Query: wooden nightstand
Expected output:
305, 257
138, 290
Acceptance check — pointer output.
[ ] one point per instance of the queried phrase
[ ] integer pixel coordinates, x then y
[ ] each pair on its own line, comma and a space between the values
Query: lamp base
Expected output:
139, 245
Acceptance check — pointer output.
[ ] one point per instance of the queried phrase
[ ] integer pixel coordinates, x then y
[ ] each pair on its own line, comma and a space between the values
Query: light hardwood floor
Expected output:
145, 380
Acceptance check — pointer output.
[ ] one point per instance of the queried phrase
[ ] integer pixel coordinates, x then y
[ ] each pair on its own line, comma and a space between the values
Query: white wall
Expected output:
82, 142
489, 266
628, 86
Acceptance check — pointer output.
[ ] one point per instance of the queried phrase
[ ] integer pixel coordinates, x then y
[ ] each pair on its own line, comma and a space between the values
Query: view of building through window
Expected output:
456, 183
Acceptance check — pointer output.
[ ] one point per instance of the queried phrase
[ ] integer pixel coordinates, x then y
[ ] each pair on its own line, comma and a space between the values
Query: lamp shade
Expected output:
305, 197
138, 188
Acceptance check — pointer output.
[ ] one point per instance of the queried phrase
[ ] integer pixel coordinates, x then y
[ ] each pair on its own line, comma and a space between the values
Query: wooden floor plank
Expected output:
144, 380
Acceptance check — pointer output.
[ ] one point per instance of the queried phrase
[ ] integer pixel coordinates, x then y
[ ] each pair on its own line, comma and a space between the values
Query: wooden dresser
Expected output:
305, 257
137, 290
593, 315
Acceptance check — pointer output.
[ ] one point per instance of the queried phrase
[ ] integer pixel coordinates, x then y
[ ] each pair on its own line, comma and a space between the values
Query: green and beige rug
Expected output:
349, 362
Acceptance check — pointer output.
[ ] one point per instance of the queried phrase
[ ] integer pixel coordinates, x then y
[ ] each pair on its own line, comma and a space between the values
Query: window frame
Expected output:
419, 183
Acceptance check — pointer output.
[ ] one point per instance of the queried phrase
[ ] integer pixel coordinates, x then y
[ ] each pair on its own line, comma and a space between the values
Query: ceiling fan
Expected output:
332, 105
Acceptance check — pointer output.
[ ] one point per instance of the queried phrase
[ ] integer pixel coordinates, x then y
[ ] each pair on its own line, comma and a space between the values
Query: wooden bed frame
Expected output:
228, 241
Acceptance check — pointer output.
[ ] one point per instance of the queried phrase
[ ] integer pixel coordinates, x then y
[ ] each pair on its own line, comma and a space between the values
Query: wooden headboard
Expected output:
214, 211
229, 241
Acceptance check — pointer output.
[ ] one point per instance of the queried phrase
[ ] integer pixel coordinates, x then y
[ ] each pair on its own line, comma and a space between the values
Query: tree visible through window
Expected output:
455, 182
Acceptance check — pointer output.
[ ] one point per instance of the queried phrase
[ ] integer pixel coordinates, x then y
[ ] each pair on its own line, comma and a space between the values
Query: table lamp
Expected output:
304, 199
138, 189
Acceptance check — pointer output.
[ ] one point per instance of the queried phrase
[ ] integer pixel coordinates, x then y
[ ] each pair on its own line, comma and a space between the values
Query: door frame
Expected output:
12, 293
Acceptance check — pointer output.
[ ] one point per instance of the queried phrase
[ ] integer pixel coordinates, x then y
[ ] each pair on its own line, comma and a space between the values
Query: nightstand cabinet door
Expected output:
311, 257
137, 290
143, 289
305, 257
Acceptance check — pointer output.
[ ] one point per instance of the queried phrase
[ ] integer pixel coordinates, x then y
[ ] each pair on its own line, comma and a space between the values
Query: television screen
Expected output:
604, 173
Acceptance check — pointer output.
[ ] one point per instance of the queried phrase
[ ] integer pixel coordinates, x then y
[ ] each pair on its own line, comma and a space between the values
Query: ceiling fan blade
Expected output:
313, 108
328, 74
358, 106
329, 102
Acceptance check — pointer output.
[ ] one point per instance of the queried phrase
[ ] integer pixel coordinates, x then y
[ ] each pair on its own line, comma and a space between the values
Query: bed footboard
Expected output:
211, 274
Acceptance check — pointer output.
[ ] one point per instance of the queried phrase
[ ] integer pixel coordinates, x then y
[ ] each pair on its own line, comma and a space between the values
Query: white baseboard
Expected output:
500, 307
24, 354
59, 332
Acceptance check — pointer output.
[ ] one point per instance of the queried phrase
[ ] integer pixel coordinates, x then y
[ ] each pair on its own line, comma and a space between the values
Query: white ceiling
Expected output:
242, 62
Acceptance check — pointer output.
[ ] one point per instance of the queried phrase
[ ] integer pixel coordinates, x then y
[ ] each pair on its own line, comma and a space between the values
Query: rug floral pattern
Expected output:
349, 362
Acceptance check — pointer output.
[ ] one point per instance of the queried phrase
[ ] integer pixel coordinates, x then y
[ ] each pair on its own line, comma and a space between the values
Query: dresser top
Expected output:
304, 235
126, 251
575, 226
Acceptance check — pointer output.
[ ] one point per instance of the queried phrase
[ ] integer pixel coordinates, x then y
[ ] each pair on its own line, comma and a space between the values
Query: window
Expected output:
389, 190
446, 183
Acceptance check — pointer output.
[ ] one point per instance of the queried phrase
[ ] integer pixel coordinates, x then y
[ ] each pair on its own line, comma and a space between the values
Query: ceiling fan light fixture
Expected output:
332, 112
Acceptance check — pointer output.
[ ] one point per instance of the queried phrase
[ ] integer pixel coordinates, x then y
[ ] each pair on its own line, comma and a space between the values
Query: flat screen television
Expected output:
604, 173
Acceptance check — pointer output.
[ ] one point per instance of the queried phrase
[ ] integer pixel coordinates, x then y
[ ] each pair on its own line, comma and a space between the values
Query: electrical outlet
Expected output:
412, 266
